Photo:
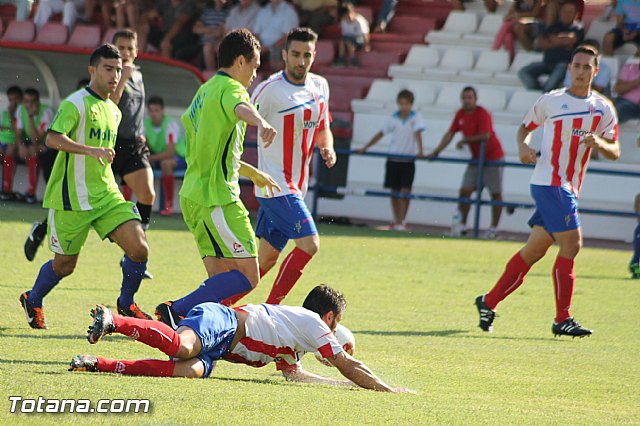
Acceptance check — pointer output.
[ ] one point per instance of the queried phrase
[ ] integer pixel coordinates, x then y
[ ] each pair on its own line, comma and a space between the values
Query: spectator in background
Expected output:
386, 13
167, 148
273, 23
174, 37
23, 8
634, 265
517, 23
210, 28
32, 121
315, 14
552, 10
490, 5
557, 42
70, 10
242, 15
355, 36
476, 126
602, 80
8, 148
628, 89
627, 26
405, 127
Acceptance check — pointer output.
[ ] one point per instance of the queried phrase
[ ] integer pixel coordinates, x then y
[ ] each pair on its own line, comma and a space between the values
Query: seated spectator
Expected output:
552, 10
8, 148
405, 127
557, 42
242, 15
127, 13
168, 27
32, 122
602, 80
628, 89
518, 22
627, 26
210, 28
23, 8
355, 36
315, 14
70, 10
167, 148
273, 23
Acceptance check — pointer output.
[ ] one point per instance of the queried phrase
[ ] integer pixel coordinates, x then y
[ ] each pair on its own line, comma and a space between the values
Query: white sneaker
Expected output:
491, 234
458, 228
400, 227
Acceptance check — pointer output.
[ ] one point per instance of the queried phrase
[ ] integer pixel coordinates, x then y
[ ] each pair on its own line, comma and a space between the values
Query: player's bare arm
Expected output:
62, 142
527, 154
325, 144
259, 178
610, 149
249, 114
297, 374
420, 146
360, 374
127, 70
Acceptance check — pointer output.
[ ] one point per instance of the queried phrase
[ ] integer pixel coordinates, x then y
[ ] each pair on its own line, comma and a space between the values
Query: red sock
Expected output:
126, 192
9, 171
141, 367
167, 186
290, 272
152, 333
230, 301
510, 280
563, 282
32, 167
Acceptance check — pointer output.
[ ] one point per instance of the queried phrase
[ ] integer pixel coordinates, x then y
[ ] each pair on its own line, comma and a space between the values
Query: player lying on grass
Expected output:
254, 335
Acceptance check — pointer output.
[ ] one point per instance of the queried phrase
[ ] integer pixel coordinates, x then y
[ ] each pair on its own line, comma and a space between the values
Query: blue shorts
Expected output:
556, 209
284, 218
216, 326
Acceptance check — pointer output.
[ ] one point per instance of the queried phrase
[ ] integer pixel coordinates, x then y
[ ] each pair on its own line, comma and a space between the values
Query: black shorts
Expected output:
46, 160
399, 174
131, 156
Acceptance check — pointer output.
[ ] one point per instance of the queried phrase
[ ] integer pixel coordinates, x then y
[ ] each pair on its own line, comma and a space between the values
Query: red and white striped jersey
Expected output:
282, 334
298, 112
567, 120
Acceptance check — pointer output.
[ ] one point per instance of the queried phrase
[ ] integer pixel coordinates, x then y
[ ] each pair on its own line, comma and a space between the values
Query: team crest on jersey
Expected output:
592, 109
237, 247
93, 113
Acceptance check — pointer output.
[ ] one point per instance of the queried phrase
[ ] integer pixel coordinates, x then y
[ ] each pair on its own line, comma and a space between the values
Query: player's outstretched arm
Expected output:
297, 374
249, 114
261, 179
62, 142
361, 375
325, 145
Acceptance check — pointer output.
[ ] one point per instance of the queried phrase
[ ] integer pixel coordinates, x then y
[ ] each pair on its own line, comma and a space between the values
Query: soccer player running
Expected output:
215, 124
82, 192
254, 335
576, 120
296, 102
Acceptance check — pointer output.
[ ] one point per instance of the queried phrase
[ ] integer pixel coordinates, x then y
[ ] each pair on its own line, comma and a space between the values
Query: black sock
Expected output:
145, 214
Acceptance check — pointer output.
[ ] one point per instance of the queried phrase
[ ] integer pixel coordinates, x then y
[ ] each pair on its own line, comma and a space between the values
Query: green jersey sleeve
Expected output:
66, 119
233, 96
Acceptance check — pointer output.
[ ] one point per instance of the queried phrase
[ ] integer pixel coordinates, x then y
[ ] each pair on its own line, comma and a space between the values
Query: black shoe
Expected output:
102, 324
84, 363
634, 268
132, 311
570, 327
166, 314
7, 196
29, 198
487, 315
35, 316
36, 236
146, 276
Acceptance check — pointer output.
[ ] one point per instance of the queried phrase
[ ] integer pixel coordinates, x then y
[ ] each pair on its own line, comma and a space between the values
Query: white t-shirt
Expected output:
298, 112
271, 25
282, 334
242, 18
567, 120
403, 133
357, 28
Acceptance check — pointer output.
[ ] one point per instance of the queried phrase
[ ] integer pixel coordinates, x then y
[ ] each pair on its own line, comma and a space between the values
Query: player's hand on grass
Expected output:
266, 133
266, 183
103, 155
527, 154
329, 156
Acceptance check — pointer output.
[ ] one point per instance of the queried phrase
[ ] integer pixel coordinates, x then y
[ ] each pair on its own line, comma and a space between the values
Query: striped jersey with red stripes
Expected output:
566, 121
298, 112
282, 334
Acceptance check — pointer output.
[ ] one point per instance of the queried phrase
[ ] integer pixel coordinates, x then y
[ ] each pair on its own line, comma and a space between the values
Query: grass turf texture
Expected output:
410, 307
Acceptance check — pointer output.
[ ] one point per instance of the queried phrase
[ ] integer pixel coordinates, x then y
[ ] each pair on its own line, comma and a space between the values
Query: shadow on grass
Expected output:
466, 334
38, 334
32, 362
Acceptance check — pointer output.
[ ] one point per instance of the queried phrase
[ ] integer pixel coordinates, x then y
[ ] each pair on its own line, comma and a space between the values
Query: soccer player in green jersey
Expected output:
82, 192
215, 124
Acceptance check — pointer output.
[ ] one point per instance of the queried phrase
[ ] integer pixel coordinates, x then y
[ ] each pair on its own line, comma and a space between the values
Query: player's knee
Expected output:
140, 252
147, 196
64, 269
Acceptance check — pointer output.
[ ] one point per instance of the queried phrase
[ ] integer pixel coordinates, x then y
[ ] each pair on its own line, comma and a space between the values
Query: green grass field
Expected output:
410, 308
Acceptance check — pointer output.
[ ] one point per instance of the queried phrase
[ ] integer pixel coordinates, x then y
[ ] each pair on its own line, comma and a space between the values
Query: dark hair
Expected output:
236, 43
14, 90
470, 89
587, 50
323, 299
128, 34
32, 92
106, 51
406, 94
82, 83
303, 34
156, 100
592, 42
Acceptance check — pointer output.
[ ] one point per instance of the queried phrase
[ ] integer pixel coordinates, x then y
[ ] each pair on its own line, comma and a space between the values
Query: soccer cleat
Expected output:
36, 236
147, 275
634, 268
570, 327
167, 211
166, 314
487, 315
132, 311
491, 234
102, 324
35, 316
84, 363
30, 198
